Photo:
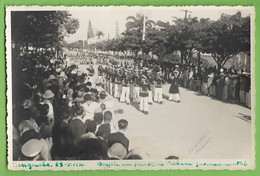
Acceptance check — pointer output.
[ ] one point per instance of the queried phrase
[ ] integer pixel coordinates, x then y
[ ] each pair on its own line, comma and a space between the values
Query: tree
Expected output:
227, 36
134, 34
182, 37
159, 39
42, 29
201, 36
99, 34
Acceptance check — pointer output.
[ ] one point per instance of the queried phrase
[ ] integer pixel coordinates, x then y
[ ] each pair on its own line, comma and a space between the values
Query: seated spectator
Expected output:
90, 131
65, 120
27, 123
119, 136
90, 149
98, 118
46, 139
77, 125
108, 119
102, 135
89, 106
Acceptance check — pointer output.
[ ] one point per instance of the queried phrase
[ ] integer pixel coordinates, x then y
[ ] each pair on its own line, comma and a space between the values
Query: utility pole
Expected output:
186, 11
143, 36
117, 30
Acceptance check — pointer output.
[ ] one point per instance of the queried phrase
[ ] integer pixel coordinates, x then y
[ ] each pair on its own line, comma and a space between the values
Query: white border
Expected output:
93, 165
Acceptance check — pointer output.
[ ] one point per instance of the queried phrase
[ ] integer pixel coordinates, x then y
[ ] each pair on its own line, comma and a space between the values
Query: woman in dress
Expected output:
174, 89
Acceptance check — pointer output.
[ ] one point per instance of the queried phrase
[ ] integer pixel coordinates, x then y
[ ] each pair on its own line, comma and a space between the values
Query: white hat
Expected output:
48, 94
117, 150
143, 76
175, 71
51, 77
32, 148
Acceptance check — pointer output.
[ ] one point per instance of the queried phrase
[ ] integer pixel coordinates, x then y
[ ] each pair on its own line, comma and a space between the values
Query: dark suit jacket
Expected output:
118, 137
104, 148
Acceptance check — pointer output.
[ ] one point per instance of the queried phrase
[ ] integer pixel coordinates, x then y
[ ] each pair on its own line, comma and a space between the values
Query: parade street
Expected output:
199, 127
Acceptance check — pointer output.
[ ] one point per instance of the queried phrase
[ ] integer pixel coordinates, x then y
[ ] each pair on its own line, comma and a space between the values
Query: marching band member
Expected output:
144, 88
136, 81
151, 82
158, 88
112, 81
131, 85
100, 72
117, 82
125, 89
120, 78
174, 89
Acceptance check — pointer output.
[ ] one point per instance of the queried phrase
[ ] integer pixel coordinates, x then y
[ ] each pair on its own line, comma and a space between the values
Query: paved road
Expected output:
197, 128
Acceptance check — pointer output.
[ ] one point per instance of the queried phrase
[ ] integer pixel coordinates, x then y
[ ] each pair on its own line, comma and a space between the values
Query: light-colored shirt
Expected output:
50, 114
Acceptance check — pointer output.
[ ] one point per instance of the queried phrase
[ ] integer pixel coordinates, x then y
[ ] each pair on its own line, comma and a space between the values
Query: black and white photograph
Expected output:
118, 84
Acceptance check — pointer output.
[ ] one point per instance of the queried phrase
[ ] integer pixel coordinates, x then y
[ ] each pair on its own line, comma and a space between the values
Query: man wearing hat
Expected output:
31, 150
48, 99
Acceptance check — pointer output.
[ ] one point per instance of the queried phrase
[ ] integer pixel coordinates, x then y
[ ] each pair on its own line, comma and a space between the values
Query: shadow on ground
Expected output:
244, 117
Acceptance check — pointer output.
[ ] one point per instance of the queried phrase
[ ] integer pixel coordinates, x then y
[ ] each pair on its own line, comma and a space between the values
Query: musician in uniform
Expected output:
125, 88
136, 82
112, 81
151, 82
144, 88
174, 88
158, 88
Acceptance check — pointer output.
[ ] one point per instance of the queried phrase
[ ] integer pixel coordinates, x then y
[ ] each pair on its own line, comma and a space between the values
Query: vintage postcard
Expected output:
117, 87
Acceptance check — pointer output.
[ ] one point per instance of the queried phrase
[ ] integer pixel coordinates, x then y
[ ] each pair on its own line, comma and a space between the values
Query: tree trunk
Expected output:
27, 45
136, 53
198, 56
219, 67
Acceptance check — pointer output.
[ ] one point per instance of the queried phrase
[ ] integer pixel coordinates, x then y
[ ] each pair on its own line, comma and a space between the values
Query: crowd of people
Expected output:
62, 113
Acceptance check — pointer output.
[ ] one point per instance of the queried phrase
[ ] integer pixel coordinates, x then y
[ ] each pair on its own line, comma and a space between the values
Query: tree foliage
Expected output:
223, 38
42, 29
227, 37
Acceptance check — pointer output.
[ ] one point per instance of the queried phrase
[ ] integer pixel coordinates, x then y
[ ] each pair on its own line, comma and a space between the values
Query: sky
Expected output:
104, 18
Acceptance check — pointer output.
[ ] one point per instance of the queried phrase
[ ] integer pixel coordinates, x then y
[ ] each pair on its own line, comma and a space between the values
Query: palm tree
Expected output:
139, 23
